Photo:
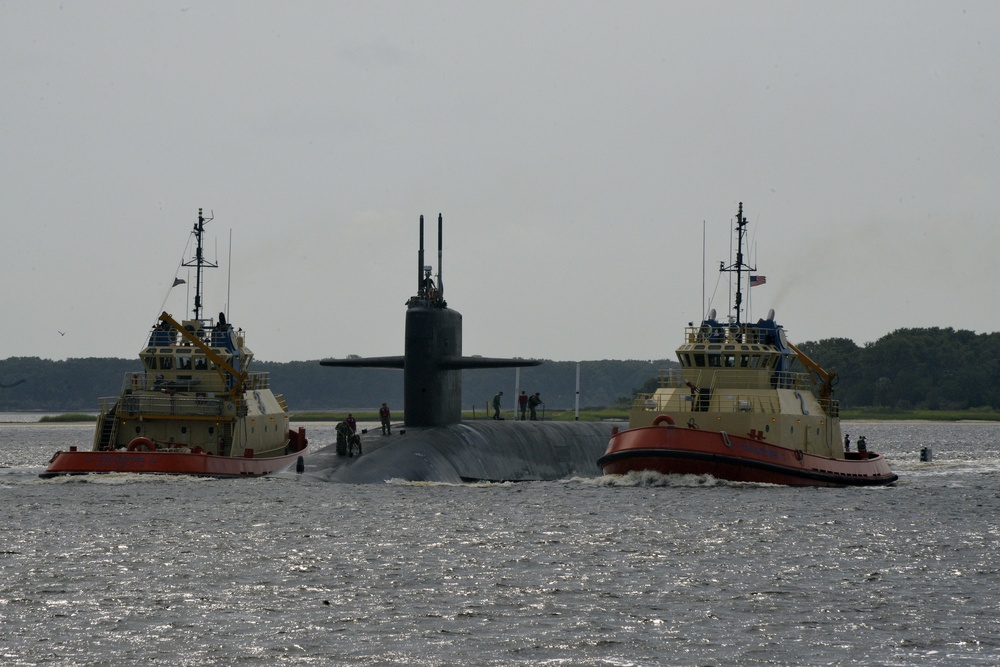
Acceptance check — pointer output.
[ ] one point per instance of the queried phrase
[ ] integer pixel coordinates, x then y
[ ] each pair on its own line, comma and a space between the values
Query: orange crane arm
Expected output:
220, 363
826, 377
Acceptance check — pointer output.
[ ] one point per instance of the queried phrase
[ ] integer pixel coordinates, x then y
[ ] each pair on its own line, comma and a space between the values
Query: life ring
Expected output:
145, 443
663, 418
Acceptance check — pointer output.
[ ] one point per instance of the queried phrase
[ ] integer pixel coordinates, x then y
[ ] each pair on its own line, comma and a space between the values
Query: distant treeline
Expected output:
909, 369
914, 369
76, 384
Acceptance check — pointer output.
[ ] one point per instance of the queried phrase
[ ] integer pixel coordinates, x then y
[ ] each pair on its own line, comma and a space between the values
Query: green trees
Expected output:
77, 384
932, 368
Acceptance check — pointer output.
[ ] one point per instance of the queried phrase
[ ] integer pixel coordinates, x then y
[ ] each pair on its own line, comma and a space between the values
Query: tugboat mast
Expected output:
739, 265
199, 261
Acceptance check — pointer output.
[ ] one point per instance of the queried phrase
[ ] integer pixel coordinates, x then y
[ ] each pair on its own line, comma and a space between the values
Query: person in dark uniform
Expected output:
533, 403
343, 432
383, 414
427, 284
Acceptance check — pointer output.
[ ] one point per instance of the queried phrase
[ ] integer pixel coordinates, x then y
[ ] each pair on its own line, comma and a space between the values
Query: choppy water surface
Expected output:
125, 570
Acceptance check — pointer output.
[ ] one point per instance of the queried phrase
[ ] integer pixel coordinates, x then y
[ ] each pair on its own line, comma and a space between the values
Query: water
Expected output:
129, 570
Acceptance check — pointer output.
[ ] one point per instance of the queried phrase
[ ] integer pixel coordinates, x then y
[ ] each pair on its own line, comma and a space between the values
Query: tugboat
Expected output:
736, 409
195, 409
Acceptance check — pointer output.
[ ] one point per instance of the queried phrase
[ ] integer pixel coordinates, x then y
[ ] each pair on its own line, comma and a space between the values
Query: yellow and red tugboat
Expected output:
739, 409
195, 409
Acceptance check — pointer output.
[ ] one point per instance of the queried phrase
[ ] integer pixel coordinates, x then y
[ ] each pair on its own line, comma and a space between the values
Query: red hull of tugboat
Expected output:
670, 450
170, 463
166, 463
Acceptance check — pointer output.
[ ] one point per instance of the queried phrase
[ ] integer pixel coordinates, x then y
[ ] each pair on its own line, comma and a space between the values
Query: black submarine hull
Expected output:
437, 446
476, 451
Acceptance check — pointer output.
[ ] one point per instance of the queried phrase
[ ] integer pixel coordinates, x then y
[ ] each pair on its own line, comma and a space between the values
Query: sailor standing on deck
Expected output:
533, 403
353, 439
847, 442
383, 414
496, 405
522, 403
343, 431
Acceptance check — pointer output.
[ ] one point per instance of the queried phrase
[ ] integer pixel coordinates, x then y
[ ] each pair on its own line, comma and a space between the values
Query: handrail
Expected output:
751, 334
141, 381
734, 378
679, 402
699, 386
152, 404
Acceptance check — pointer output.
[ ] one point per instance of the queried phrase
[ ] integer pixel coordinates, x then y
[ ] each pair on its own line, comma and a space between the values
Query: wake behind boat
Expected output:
738, 411
195, 409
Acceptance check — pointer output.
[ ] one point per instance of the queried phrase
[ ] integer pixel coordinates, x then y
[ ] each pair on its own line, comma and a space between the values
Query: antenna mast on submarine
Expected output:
440, 284
426, 288
420, 260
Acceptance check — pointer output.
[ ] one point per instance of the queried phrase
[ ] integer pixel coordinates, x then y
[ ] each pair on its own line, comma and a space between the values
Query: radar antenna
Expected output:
739, 266
199, 261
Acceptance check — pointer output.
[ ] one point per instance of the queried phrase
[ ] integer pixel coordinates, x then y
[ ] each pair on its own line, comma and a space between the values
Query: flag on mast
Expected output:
178, 281
757, 280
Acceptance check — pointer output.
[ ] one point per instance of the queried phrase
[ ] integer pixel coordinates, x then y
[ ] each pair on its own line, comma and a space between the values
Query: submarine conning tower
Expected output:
432, 362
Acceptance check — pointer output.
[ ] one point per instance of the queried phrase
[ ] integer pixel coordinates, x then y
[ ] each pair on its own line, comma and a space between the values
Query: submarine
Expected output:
436, 445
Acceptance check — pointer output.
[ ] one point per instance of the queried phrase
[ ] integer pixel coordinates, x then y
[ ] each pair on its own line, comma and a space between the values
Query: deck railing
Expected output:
709, 378
211, 382
735, 396
722, 402
731, 333
152, 404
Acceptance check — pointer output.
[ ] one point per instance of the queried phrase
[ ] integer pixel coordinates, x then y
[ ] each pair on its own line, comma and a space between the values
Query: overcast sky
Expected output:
578, 152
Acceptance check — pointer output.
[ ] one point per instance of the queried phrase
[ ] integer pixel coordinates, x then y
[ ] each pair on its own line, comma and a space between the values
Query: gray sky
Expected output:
574, 148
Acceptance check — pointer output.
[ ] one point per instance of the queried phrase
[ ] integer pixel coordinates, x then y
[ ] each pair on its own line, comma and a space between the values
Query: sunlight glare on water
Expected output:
637, 570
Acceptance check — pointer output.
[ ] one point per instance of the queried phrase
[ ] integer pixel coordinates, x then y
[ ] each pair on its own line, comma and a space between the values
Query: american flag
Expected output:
757, 280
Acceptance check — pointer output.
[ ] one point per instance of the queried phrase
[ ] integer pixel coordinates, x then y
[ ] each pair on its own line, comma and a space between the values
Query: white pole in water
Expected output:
578, 391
